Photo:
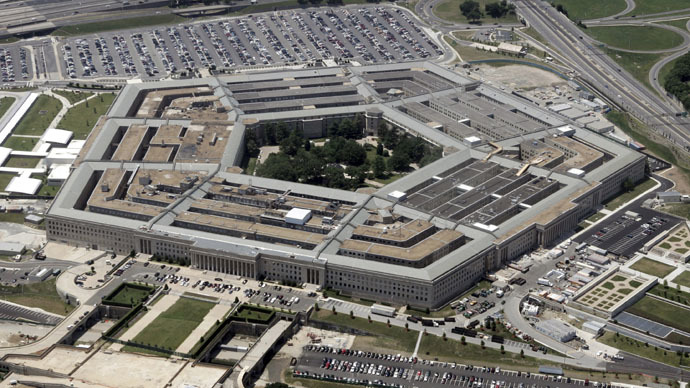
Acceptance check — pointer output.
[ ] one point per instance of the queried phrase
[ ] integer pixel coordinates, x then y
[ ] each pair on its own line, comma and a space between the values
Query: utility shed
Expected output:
396, 196
34, 219
298, 216
556, 330
11, 248
593, 327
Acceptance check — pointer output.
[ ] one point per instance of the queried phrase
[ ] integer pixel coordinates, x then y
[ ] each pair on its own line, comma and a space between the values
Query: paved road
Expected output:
602, 73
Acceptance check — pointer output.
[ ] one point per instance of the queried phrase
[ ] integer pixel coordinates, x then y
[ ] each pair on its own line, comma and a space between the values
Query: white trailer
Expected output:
383, 310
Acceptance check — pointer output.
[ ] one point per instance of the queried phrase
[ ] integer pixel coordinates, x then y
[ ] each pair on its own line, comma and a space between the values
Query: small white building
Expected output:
298, 216
58, 174
23, 185
566, 130
510, 48
472, 141
57, 137
396, 196
61, 156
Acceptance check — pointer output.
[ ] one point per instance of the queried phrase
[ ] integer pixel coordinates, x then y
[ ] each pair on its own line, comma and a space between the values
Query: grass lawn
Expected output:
662, 312
683, 279
454, 351
5, 104
652, 267
636, 37
329, 293
17, 218
646, 7
640, 133
638, 65
596, 217
45, 190
20, 143
41, 295
389, 179
639, 348
21, 162
119, 24
670, 293
5, 179
38, 117
622, 198
129, 295
73, 96
536, 35
251, 166
665, 71
678, 209
450, 10
249, 312
384, 337
665, 245
173, 325
81, 118
680, 23
591, 9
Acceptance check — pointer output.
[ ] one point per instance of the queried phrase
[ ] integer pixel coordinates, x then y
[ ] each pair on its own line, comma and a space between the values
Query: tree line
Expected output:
677, 81
472, 11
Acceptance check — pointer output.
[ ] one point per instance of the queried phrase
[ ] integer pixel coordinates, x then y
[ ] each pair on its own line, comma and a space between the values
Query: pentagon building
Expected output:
159, 175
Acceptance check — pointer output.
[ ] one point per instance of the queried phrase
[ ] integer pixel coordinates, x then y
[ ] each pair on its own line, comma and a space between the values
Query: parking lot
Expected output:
218, 285
624, 235
351, 366
366, 34
15, 64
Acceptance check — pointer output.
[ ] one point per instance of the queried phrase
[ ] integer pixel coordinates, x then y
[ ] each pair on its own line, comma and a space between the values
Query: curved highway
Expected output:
597, 69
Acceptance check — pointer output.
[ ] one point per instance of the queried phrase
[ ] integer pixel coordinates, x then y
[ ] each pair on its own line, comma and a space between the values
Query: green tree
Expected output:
398, 162
470, 10
379, 167
628, 184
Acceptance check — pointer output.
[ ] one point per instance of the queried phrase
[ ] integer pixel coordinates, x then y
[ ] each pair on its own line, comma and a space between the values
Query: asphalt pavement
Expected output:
425, 373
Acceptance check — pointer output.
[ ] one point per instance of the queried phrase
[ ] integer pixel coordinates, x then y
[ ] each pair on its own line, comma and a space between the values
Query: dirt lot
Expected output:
13, 333
682, 182
61, 360
128, 370
518, 76
198, 376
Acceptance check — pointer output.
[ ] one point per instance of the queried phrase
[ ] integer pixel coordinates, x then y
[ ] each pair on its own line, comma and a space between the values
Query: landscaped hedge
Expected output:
123, 321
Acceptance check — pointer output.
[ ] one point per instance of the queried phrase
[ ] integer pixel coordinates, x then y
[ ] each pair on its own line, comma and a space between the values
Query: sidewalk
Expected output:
400, 321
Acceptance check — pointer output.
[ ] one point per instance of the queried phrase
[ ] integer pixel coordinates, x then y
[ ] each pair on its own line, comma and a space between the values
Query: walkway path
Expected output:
419, 341
215, 314
400, 321
65, 106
